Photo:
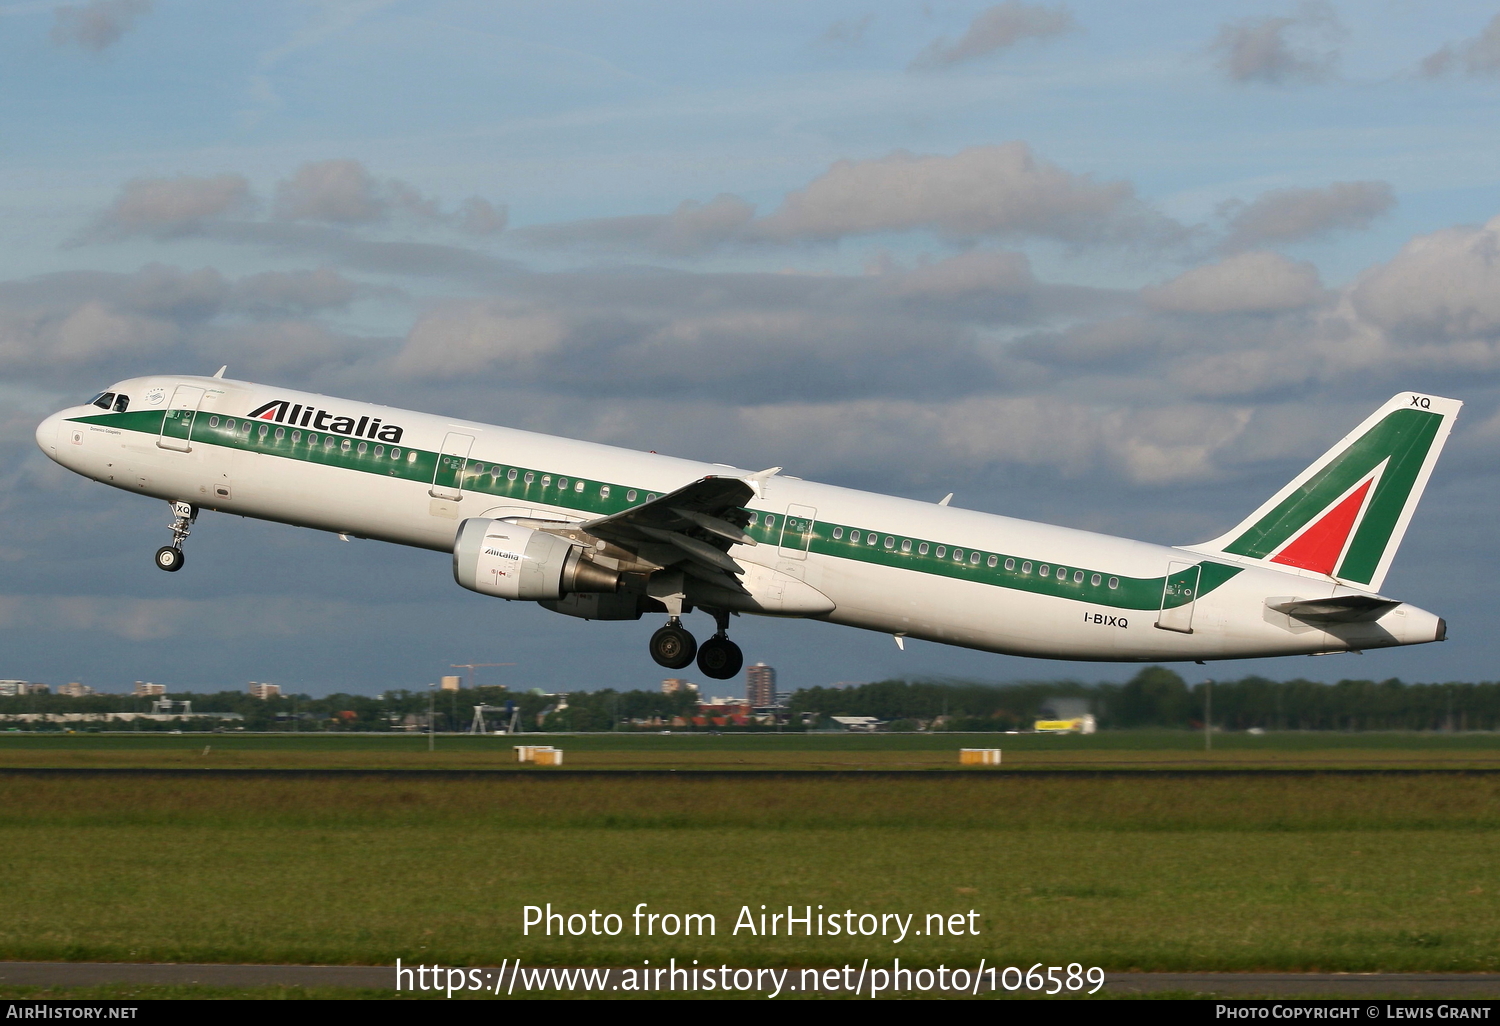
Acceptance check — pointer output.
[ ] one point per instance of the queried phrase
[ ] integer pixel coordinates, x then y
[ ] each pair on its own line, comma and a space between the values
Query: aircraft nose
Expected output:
46, 434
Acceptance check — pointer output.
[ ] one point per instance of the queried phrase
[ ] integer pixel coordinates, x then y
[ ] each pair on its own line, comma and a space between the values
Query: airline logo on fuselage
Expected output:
284, 411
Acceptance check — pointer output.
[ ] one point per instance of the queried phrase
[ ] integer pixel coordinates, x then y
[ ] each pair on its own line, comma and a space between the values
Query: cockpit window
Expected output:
122, 403
103, 400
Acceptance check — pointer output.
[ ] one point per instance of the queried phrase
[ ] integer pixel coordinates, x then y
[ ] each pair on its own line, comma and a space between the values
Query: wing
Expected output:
691, 528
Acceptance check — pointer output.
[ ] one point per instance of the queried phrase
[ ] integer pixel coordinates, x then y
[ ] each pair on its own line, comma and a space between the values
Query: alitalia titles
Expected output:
284, 411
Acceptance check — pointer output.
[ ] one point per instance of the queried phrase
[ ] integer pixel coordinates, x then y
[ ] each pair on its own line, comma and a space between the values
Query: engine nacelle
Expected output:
494, 557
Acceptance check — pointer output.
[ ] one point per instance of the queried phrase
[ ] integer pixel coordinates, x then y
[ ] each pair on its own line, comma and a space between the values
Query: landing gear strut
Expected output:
672, 646
170, 557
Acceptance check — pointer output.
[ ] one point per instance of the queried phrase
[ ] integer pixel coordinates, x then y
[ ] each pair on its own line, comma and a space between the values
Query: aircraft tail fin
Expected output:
1345, 515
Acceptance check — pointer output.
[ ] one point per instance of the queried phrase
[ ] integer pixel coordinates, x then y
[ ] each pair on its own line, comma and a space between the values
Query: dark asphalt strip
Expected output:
705, 774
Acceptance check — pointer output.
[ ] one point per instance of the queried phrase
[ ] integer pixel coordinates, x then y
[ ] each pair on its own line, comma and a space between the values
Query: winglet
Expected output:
220, 372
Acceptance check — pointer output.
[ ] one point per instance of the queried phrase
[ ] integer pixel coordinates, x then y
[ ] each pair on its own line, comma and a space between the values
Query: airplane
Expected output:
605, 533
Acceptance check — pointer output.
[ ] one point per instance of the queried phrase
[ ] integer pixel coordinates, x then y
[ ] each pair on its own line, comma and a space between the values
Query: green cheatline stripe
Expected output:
1404, 437
599, 498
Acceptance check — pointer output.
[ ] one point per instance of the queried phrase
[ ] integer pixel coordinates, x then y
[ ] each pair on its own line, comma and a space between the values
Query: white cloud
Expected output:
692, 228
1257, 282
997, 28
97, 25
1443, 286
1478, 57
1290, 215
982, 191
171, 206
1280, 50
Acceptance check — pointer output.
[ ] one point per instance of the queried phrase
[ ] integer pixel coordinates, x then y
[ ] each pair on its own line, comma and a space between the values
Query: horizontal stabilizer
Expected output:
1337, 609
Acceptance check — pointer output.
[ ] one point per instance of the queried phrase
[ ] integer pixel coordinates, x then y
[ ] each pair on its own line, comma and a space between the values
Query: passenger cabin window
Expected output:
942, 550
754, 519
854, 536
838, 533
993, 560
264, 431
974, 558
630, 495
379, 451
280, 434
296, 437
1095, 580
546, 480
511, 474
1010, 564
530, 477
890, 543
562, 483
122, 403
922, 549
1078, 576
958, 555
1114, 582
578, 486
363, 448
871, 538
1044, 570
411, 457
906, 545
213, 421
1026, 567
604, 491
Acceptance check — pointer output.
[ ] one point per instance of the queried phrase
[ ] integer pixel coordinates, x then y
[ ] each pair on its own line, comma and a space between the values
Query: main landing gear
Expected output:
718, 657
170, 557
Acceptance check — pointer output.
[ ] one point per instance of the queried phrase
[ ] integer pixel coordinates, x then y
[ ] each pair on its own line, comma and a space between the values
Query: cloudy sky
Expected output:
1121, 267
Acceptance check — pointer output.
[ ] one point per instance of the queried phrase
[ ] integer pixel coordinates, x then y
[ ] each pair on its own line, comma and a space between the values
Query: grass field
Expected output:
1132, 872
1115, 749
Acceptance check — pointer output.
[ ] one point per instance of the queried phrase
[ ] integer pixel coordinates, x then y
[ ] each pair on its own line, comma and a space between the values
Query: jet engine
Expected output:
494, 557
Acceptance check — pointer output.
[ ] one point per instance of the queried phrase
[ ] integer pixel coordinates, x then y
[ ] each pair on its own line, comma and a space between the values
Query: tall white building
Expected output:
145, 689
264, 691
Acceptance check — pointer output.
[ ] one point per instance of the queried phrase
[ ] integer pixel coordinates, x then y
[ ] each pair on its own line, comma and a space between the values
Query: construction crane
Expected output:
471, 667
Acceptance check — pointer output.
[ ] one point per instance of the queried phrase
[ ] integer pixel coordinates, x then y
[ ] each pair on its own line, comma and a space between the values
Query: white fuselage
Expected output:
372, 484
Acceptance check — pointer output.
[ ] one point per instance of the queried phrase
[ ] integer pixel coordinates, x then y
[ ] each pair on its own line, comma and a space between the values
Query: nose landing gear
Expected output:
170, 557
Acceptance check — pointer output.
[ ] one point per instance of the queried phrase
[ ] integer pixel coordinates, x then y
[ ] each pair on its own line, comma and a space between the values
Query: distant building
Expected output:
672, 685
760, 685
75, 690
265, 691
450, 683
12, 688
145, 689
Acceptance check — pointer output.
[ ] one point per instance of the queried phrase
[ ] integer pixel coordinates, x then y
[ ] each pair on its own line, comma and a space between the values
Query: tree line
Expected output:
1154, 697
1159, 697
